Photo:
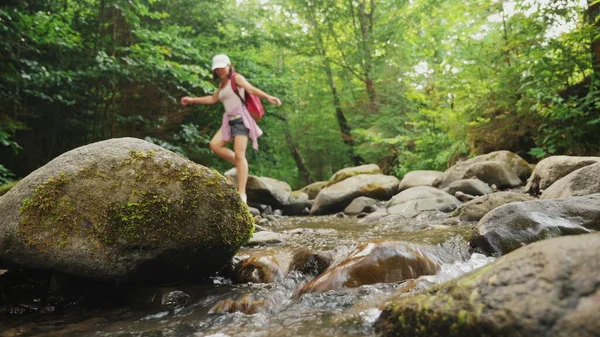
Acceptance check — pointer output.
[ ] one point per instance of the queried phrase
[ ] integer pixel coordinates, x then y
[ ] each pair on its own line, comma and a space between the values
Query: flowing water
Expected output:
192, 310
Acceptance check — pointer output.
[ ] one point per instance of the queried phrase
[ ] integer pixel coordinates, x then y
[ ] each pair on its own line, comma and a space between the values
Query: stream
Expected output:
196, 310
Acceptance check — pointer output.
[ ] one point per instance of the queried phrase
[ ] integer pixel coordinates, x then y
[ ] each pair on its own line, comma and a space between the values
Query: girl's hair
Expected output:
215, 76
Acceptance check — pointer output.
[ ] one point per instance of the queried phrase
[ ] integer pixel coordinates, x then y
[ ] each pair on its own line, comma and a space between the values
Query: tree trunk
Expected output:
593, 11
366, 29
346, 130
305, 174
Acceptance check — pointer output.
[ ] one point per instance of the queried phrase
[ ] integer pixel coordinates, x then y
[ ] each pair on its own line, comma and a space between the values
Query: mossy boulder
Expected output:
123, 210
549, 288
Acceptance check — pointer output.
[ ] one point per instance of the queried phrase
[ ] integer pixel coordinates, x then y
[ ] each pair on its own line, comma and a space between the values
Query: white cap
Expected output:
220, 61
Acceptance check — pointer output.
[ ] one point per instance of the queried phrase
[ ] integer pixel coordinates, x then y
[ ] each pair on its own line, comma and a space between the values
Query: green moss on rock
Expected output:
445, 310
159, 205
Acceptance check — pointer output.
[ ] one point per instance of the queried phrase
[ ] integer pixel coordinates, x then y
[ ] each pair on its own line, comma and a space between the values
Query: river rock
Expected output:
378, 262
269, 191
336, 197
348, 172
511, 226
299, 204
416, 200
261, 268
360, 205
418, 178
583, 181
310, 263
472, 187
549, 288
123, 210
264, 237
503, 175
551, 169
247, 304
313, 189
477, 208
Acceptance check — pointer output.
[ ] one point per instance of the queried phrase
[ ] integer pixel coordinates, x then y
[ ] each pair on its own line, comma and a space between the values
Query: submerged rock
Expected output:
123, 210
378, 262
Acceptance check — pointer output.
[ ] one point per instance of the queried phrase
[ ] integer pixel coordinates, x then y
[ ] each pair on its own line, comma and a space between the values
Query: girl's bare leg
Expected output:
217, 145
237, 157
241, 164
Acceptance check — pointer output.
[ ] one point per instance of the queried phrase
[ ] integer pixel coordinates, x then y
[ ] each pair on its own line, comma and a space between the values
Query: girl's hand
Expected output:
274, 100
186, 100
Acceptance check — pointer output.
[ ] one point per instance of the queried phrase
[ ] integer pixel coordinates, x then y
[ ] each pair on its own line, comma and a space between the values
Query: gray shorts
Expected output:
238, 128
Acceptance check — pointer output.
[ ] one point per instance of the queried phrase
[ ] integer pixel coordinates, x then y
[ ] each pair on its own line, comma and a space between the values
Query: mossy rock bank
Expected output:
123, 210
549, 288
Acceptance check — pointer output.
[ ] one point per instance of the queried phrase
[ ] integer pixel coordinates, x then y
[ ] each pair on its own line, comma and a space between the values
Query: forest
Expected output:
405, 84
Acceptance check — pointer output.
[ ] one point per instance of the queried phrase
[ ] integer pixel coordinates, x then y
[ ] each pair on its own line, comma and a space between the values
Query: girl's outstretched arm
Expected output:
242, 82
211, 99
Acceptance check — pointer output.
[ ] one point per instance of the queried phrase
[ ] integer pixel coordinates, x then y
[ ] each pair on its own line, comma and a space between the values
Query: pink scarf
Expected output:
253, 130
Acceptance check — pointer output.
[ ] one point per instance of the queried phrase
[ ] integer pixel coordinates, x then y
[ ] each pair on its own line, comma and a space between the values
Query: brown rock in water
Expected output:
246, 304
378, 262
309, 263
259, 268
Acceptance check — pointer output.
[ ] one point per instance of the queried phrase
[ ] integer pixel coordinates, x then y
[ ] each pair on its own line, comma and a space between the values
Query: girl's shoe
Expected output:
244, 198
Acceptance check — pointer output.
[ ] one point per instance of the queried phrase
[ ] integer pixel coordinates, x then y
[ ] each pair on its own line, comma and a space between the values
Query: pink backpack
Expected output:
252, 102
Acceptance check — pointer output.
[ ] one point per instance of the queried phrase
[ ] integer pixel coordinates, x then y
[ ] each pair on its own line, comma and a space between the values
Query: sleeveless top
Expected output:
229, 99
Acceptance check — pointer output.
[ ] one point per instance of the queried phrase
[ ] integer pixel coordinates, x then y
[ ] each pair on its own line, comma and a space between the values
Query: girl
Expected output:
237, 124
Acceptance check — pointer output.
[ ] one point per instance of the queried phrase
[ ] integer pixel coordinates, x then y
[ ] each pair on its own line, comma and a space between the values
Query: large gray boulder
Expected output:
549, 288
551, 169
123, 210
511, 226
508, 170
336, 197
583, 181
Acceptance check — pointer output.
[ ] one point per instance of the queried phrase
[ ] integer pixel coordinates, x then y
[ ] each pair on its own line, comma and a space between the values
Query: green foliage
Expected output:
404, 84
569, 126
